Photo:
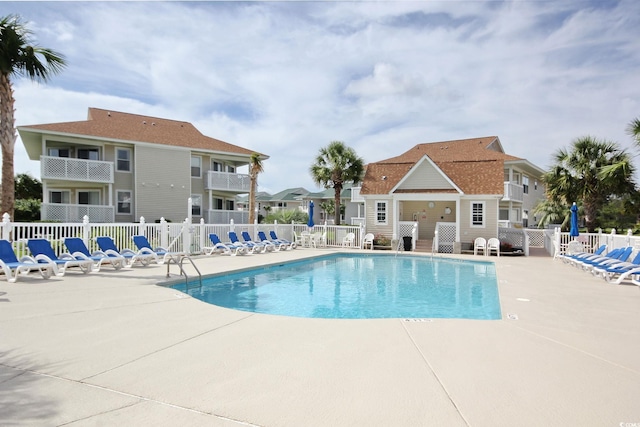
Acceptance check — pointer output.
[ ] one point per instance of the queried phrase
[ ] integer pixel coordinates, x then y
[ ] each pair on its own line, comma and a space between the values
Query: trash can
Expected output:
407, 243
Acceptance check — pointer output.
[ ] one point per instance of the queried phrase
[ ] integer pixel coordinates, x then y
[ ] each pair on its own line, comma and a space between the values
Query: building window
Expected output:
123, 159
503, 214
525, 218
196, 205
477, 214
231, 169
59, 152
217, 204
535, 185
525, 184
88, 197
230, 205
88, 154
124, 202
216, 166
59, 197
196, 167
381, 213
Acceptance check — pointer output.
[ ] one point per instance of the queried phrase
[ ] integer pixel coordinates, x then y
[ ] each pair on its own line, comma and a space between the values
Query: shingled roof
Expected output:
114, 125
476, 166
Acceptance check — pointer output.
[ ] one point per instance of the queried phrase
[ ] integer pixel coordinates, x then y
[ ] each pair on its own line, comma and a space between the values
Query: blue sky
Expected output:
286, 78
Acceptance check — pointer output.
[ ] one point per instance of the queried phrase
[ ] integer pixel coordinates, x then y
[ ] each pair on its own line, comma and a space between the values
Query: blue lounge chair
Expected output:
13, 268
79, 250
607, 260
288, 243
143, 245
568, 258
619, 271
251, 247
276, 246
108, 246
223, 248
43, 252
249, 241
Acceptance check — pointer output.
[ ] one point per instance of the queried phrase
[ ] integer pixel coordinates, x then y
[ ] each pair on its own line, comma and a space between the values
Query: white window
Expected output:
216, 166
381, 213
503, 214
59, 152
88, 154
196, 204
89, 197
525, 184
217, 203
59, 197
123, 159
196, 166
124, 202
230, 205
231, 169
477, 214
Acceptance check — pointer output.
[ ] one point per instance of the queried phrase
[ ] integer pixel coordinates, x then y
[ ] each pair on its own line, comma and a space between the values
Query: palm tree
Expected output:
18, 57
335, 165
590, 174
634, 130
255, 167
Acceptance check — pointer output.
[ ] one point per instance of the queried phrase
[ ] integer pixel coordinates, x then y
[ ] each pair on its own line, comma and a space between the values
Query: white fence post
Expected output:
6, 226
164, 232
232, 225
203, 234
186, 236
142, 227
86, 230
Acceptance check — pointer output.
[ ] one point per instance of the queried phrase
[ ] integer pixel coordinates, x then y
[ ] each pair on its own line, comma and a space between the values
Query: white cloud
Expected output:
286, 78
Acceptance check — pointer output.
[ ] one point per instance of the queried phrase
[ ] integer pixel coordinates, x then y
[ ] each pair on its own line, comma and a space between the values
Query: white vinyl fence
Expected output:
187, 237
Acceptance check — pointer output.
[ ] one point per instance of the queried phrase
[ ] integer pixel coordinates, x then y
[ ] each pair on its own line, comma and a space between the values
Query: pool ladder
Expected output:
179, 262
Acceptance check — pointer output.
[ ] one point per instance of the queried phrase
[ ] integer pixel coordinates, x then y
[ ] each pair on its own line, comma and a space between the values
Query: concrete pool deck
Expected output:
112, 348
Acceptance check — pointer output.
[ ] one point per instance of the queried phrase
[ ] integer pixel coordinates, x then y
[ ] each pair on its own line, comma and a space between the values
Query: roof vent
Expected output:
384, 177
153, 123
144, 122
109, 113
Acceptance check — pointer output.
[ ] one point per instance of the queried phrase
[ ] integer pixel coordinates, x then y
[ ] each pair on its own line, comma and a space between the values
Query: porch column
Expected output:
458, 220
396, 219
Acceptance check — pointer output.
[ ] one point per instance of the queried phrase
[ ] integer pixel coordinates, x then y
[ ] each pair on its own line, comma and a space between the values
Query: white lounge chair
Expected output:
480, 244
493, 245
249, 247
368, 241
108, 246
162, 254
13, 268
223, 248
249, 241
275, 245
43, 252
79, 250
349, 240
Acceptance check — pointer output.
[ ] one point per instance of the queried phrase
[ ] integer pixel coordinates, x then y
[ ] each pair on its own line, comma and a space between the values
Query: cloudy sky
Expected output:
286, 78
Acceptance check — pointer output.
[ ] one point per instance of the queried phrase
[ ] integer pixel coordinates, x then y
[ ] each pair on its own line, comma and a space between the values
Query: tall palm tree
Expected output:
335, 165
590, 173
255, 167
20, 58
634, 130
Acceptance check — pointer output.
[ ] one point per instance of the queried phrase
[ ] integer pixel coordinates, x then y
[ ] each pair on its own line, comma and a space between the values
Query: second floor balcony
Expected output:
225, 181
75, 213
66, 168
513, 192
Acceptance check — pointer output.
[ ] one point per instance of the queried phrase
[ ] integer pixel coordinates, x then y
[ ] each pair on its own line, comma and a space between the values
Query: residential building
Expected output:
470, 184
118, 167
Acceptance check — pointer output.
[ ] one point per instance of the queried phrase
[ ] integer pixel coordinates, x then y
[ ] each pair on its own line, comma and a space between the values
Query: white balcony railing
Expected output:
225, 181
76, 169
513, 192
74, 213
355, 195
218, 216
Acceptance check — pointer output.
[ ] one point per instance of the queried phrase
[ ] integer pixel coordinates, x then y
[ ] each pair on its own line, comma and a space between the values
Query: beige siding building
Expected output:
468, 188
118, 167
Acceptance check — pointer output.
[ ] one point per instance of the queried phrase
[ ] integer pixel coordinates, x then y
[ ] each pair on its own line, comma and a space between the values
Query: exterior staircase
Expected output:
424, 245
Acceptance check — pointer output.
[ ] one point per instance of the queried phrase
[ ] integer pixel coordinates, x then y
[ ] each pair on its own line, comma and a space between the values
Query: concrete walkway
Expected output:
112, 348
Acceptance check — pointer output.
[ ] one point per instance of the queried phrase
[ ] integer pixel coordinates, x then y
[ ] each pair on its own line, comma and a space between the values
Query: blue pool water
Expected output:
358, 286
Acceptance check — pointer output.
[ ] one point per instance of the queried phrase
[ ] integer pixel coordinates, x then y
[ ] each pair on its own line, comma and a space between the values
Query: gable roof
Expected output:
126, 127
474, 165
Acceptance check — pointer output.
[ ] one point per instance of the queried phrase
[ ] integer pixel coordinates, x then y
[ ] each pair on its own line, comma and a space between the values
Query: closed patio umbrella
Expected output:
573, 231
310, 224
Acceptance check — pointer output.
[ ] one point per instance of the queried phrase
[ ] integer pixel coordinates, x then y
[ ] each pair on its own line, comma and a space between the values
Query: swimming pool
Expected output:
359, 286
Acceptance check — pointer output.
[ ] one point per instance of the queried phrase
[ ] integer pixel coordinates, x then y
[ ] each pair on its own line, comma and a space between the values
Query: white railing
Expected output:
358, 221
445, 237
75, 213
536, 237
407, 229
513, 192
509, 224
218, 216
557, 240
355, 195
225, 181
517, 238
76, 169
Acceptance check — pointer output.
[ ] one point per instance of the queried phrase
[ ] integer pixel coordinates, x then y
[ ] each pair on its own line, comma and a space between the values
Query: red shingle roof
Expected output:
475, 165
132, 127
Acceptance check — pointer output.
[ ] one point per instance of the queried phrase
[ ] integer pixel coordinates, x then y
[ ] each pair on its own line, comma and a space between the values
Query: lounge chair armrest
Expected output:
26, 259
80, 256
